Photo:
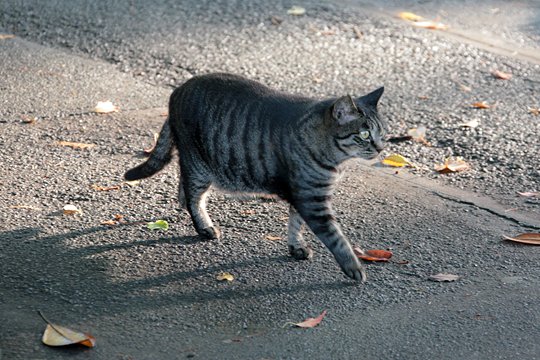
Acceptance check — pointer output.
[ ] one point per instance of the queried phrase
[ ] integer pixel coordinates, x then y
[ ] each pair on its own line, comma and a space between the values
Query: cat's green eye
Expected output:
364, 134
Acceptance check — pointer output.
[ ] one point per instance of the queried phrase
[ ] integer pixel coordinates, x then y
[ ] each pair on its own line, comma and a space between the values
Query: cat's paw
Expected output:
301, 253
209, 233
355, 270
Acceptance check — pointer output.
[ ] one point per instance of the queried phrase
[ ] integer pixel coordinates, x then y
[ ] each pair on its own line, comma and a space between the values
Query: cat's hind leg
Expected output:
195, 189
295, 241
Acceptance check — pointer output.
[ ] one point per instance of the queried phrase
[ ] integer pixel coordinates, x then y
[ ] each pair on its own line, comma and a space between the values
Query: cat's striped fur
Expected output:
238, 135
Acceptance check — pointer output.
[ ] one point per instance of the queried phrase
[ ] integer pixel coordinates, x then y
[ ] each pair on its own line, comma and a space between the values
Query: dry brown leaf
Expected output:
151, 148
105, 188
534, 111
276, 21
526, 238
501, 75
71, 210
311, 322
272, 237
481, 105
56, 335
105, 107
444, 277
529, 194
432, 25
452, 165
109, 222
372, 255
75, 145
6, 36
225, 276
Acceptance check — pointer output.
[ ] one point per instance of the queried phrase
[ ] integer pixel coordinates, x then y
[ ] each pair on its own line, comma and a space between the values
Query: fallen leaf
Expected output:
357, 33
372, 255
151, 148
75, 145
311, 322
526, 238
275, 20
109, 222
481, 105
105, 107
452, 165
405, 15
395, 160
272, 238
133, 182
418, 134
118, 216
158, 224
470, 124
296, 11
444, 277
529, 194
56, 335
29, 119
501, 75
6, 36
432, 25
534, 111
105, 188
71, 210
225, 276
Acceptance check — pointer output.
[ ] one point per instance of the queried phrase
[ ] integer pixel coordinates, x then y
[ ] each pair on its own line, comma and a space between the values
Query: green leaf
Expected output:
159, 224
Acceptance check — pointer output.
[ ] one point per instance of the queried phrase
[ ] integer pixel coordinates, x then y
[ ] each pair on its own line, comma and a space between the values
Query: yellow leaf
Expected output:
71, 210
395, 160
105, 107
296, 11
225, 276
405, 15
56, 335
75, 145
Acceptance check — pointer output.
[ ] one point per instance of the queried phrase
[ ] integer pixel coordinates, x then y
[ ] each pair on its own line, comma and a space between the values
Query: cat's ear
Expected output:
344, 110
371, 99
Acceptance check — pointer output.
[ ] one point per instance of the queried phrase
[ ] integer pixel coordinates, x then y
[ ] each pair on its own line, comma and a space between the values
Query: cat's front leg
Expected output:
319, 217
295, 241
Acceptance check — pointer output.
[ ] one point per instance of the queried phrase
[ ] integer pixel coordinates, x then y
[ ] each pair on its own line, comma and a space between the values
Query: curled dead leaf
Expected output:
310, 322
56, 335
296, 11
75, 145
529, 194
149, 150
105, 188
501, 75
444, 277
71, 210
481, 105
105, 107
526, 238
373, 255
225, 276
452, 165
395, 160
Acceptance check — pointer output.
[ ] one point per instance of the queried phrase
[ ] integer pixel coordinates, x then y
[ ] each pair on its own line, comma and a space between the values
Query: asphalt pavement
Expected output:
153, 294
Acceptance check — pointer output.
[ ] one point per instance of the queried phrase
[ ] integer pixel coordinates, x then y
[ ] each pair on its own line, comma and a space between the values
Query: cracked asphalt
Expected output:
149, 294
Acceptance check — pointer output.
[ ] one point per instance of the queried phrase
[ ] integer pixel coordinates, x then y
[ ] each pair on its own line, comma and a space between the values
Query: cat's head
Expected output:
358, 129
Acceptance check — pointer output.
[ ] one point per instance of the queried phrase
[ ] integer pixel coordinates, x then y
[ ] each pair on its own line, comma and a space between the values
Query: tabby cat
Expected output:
239, 135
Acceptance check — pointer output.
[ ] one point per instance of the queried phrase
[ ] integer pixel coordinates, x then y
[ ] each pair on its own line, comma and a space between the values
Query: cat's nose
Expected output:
378, 145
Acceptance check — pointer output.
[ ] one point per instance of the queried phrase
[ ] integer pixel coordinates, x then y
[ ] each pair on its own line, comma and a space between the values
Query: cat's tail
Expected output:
160, 156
